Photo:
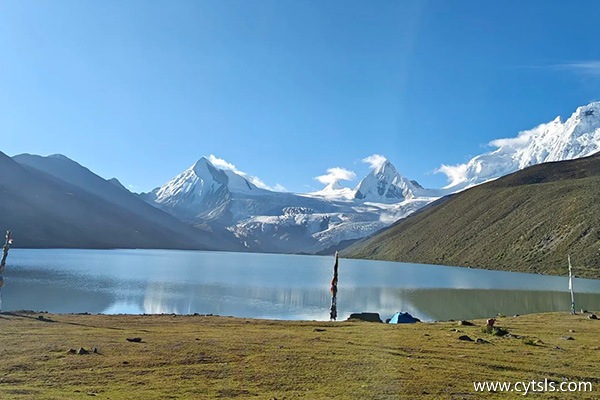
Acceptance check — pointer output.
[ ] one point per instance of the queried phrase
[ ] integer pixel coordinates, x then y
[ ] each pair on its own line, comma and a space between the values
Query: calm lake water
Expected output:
271, 286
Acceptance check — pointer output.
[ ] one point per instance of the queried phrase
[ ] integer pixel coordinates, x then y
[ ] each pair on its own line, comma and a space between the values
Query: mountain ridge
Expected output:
385, 184
527, 221
269, 221
578, 136
232, 210
341, 214
55, 202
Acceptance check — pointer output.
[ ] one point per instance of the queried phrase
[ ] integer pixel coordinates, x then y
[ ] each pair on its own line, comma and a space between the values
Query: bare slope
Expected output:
45, 211
527, 221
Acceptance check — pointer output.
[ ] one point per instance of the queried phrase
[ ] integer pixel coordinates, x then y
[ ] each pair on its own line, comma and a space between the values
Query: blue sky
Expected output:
285, 90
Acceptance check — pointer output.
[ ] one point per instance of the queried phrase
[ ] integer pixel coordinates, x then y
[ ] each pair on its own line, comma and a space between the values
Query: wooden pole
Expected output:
7, 244
571, 285
334, 282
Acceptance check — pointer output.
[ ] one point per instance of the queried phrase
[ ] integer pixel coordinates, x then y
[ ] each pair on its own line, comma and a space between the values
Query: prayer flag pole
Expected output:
7, 244
6, 248
571, 285
334, 282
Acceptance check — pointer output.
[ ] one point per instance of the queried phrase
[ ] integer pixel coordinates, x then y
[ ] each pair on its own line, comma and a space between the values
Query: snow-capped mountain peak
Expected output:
235, 181
208, 173
385, 185
385, 166
218, 196
202, 189
578, 136
334, 191
199, 184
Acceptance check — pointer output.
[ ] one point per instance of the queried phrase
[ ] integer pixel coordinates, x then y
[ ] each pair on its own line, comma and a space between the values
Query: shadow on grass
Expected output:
41, 318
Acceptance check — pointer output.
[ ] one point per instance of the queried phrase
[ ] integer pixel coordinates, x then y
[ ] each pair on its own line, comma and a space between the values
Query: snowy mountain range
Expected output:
263, 220
218, 207
578, 136
217, 199
385, 185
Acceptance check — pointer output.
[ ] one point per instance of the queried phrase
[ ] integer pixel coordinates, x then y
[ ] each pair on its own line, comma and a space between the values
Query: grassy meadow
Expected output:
202, 357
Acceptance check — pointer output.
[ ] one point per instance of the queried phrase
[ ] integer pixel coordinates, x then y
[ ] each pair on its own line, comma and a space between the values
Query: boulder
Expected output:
365, 316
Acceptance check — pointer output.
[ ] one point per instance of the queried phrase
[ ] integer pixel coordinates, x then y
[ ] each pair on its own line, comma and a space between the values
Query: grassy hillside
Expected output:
527, 221
195, 357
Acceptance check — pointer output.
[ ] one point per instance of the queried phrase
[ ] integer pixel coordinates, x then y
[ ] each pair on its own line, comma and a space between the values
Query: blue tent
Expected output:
403, 318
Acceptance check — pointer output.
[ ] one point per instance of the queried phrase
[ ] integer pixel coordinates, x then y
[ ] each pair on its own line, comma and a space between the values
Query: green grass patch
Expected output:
196, 357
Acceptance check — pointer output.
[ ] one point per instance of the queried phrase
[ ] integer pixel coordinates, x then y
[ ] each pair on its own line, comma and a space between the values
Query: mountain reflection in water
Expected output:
272, 286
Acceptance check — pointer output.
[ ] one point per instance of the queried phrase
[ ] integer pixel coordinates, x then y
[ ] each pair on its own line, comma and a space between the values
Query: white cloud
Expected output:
374, 160
508, 155
456, 173
523, 139
223, 164
335, 175
220, 163
254, 180
590, 67
461, 173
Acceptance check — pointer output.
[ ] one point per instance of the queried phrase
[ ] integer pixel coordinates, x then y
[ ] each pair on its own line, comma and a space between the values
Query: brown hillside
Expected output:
527, 221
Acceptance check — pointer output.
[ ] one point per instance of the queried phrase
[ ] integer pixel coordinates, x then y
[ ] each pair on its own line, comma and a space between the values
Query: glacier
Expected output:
268, 221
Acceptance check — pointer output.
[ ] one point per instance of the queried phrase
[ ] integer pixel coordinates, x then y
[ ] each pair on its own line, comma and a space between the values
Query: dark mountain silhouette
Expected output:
55, 202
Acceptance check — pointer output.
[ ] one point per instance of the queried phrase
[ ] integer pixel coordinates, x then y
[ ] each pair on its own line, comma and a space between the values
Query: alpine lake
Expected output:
272, 286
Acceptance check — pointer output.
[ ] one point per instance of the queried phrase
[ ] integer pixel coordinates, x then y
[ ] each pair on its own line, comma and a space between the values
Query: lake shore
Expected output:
274, 286
200, 357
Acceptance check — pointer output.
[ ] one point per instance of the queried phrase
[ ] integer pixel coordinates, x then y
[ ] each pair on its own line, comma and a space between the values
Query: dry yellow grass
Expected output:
196, 357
